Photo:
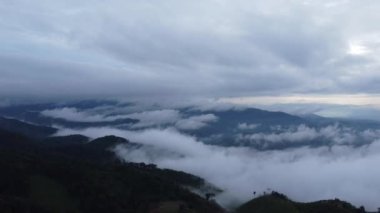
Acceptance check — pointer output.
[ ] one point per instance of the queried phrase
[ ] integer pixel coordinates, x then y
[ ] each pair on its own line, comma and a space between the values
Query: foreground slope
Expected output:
39, 178
279, 203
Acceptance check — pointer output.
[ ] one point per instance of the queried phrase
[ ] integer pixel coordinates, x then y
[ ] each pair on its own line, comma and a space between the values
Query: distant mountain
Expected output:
27, 129
230, 123
32, 113
229, 120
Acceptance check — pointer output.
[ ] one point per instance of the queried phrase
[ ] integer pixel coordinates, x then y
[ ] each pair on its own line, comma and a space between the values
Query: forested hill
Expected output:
36, 177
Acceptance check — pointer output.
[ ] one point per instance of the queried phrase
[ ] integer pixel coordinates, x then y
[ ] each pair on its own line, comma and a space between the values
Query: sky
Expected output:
194, 49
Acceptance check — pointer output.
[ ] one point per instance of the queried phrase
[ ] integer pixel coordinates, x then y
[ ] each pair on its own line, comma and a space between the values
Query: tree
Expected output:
209, 196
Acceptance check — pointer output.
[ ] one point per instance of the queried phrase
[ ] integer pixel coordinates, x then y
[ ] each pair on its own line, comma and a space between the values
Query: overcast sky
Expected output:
207, 49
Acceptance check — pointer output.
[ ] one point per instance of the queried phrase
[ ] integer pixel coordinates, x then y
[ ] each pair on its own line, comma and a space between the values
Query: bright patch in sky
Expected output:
345, 99
355, 48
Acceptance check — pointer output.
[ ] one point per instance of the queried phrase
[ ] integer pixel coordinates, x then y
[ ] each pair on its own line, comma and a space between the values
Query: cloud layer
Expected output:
305, 174
333, 134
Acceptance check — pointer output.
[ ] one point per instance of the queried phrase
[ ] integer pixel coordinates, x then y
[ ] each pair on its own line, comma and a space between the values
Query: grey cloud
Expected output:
195, 122
73, 114
155, 118
245, 126
301, 134
167, 49
148, 118
145, 118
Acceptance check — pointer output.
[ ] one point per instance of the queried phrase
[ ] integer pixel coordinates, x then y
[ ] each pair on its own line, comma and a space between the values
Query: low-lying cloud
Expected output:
196, 122
146, 118
73, 114
245, 126
304, 174
149, 118
331, 134
155, 117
